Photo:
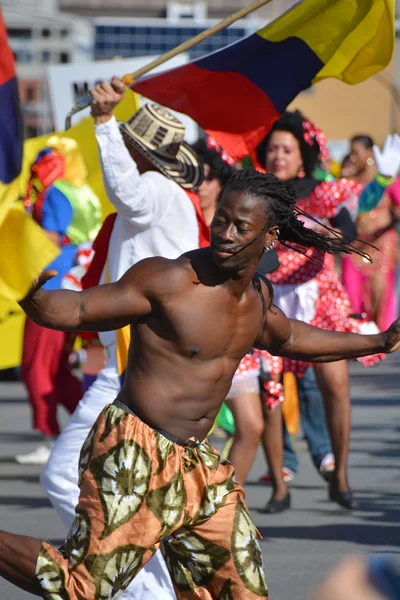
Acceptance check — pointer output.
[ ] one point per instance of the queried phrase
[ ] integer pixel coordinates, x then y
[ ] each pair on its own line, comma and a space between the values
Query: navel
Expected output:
194, 351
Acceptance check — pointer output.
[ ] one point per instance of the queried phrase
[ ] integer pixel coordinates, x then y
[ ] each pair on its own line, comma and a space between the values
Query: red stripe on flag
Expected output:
247, 113
7, 66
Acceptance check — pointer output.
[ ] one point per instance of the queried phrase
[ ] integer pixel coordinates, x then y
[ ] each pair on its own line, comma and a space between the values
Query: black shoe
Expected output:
345, 499
277, 506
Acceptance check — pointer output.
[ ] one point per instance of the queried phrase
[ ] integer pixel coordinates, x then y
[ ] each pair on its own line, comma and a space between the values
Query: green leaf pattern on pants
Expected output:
246, 552
203, 453
114, 416
113, 572
167, 503
86, 453
123, 477
77, 542
226, 591
50, 577
214, 496
192, 560
164, 448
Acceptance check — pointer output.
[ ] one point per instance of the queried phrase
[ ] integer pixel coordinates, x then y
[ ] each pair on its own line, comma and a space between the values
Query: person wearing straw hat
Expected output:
150, 175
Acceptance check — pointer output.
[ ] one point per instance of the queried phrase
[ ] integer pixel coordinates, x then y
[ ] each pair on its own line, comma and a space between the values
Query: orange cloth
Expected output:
290, 406
140, 486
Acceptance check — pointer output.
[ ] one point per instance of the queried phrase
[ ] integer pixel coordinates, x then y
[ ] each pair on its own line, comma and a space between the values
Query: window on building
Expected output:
64, 33
139, 40
45, 56
64, 57
18, 32
25, 56
46, 33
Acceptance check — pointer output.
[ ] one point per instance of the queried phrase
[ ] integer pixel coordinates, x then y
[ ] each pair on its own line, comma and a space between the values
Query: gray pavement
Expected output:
299, 546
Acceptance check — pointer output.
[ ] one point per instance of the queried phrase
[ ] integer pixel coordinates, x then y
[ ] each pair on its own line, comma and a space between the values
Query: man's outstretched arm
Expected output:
296, 340
102, 308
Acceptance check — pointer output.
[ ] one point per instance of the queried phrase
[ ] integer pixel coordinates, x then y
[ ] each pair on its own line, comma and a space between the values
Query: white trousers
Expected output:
60, 480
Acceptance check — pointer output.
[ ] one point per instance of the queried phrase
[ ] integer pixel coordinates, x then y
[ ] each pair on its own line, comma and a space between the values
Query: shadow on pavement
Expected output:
364, 533
26, 478
27, 502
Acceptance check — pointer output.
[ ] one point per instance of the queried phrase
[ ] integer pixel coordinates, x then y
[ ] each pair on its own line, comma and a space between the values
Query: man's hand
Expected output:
391, 338
40, 281
105, 97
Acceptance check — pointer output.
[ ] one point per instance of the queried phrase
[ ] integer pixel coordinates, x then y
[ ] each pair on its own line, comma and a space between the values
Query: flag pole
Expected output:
130, 78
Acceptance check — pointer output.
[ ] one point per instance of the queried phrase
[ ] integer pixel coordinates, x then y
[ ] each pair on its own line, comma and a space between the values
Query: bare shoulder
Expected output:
158, 276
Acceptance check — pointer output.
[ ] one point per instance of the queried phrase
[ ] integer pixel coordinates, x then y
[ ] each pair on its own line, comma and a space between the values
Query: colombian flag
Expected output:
24, 247
236, 93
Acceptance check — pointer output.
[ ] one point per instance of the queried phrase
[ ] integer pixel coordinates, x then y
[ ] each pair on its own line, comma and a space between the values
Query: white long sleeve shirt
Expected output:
155, 215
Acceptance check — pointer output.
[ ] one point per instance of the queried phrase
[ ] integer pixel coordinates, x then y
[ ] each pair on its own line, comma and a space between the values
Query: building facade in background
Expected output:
161, 9
40, 35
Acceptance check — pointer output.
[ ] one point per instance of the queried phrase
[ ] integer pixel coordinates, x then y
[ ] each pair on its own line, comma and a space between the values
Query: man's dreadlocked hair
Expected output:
279, 200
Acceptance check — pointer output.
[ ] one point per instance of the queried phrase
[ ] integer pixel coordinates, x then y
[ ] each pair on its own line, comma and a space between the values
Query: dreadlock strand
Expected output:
279, 200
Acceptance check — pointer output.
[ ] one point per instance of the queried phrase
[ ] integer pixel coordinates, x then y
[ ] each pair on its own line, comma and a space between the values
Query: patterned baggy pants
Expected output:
140, 486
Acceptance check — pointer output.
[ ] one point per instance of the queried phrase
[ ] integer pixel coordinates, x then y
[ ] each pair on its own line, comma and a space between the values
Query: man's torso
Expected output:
182, 358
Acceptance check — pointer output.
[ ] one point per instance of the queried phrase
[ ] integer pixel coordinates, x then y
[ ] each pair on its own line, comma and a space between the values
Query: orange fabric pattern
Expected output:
139, 487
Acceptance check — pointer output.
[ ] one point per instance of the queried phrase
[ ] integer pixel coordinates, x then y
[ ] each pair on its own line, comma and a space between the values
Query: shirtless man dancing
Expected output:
146, 471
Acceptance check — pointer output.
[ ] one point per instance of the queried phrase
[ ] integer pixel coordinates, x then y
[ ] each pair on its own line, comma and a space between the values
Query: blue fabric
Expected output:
313, 422
12, 131
290, 459
313, 419
384, 574
57, 216
63, 263
280, 69
57, 211
370, 196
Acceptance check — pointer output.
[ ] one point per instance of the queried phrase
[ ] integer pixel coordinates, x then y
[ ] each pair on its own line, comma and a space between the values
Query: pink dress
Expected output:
371, 287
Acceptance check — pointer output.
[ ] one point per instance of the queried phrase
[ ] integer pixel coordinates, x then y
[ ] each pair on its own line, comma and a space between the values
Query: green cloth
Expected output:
225, 420
86, 207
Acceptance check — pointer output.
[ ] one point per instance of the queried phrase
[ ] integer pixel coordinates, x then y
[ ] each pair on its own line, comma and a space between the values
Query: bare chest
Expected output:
209, 325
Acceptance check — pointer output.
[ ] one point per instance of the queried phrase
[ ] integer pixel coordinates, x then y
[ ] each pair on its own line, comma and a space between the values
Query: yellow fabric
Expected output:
12, 319
75, 167
123, 336
123, 340
290, 406
25, 250
83, 134
353, 38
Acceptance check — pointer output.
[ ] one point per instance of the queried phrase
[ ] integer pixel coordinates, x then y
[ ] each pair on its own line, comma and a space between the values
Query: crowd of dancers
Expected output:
133, 468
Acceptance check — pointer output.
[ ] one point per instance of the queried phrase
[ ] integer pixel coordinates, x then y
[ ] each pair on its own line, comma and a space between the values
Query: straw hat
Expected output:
157, 134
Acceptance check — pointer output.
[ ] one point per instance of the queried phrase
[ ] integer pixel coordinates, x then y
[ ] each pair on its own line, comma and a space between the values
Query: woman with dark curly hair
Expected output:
307, 287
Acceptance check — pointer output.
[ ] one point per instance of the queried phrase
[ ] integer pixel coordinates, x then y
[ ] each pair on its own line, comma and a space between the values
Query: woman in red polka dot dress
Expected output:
307, 288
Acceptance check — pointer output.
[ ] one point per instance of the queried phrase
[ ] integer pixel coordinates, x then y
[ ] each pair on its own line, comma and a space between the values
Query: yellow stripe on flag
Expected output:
353, 38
